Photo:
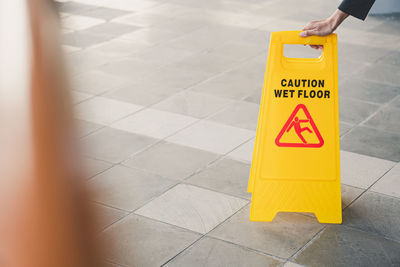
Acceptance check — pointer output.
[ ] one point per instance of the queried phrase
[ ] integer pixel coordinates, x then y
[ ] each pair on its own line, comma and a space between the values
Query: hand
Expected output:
320, 27
324, 27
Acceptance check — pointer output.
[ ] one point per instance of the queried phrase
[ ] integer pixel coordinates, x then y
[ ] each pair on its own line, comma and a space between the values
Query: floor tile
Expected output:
139, 93
192, 208
349, 194
171, 161
212, 137
234, 84
85, 127
368, 91
206, 63
180, 25
389, 184
353, 111
344, 128
204, 39
103, 110
150, 36
171, 79
285, 24
106, 216
142, 19
130, 69
118, 48
213, 252
292, 264
239, 114
362, 171
154, 123
111, 29
348, 68
254, 97
93, 167
162, 55
73, 7
300, 51
67, 49
132, 5
282, 237
395, 102
392, 58
373, 39
237, 50
113, 145
109, 264
388, 27
342, 246
193, 104
82, 39
103, 13
83, 61
368, 24
387, 119
226, 176
372, 142
77, 23
170, 9
383, 73
127, 189
78, 97
360, 53
159, 242
244, 152
375, 213
96, 82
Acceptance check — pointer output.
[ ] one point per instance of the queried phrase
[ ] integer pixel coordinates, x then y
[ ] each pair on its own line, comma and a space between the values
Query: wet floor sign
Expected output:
295, 165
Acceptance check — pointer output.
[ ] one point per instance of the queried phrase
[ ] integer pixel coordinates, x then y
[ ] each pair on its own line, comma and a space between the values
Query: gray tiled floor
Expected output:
171, 160
166, 96
342, 246
282, 237
213, 252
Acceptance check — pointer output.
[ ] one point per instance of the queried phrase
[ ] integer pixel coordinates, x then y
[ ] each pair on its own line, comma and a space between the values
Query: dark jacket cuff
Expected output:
356, 8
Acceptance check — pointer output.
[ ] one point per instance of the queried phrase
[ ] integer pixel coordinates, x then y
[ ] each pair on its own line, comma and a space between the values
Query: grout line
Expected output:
182, 251
109, 206
371, 233
342, 225
369, 187
203, 235
249, 249
114, 263
369, 117
316, 236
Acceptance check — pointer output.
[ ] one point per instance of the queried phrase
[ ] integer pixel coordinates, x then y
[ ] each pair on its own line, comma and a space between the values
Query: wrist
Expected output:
336, 19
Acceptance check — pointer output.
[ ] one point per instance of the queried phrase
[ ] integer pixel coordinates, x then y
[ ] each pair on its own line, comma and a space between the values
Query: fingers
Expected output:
307, 33
317, 47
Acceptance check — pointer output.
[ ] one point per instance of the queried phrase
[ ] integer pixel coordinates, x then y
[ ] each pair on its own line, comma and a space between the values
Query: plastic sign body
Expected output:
295, 165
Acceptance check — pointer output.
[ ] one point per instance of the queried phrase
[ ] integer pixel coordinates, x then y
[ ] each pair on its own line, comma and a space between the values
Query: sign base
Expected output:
321, 198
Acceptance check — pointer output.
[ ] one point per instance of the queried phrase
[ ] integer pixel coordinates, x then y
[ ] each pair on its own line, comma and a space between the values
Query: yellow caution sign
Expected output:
295, 165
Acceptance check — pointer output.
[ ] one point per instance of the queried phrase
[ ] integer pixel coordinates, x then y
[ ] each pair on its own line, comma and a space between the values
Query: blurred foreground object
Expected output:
44, 216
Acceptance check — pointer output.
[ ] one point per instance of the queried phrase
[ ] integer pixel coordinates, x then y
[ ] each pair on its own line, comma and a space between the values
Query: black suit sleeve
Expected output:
356, 8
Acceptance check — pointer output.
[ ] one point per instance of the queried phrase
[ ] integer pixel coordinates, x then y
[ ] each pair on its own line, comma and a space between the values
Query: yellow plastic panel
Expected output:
295, 165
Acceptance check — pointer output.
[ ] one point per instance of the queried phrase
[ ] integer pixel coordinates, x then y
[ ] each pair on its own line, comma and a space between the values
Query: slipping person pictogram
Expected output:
297, 127
295, 123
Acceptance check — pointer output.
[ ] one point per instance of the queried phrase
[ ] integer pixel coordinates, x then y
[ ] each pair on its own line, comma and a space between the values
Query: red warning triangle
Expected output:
294, 124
